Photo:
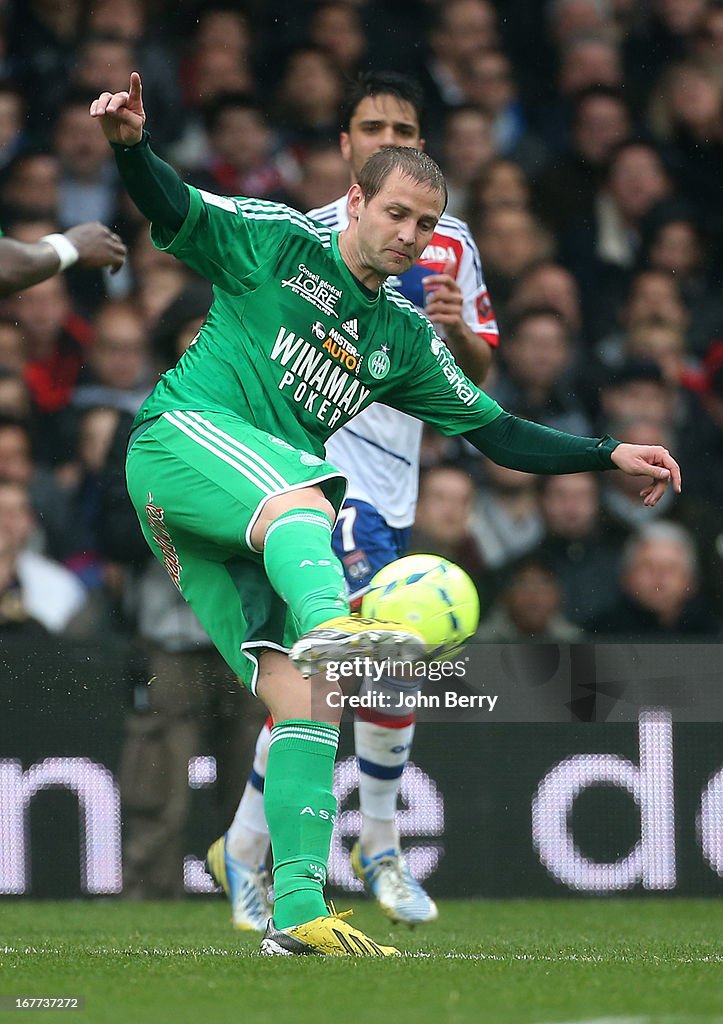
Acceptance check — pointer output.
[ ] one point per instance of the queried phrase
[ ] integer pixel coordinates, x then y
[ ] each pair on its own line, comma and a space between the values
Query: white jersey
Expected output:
379, 450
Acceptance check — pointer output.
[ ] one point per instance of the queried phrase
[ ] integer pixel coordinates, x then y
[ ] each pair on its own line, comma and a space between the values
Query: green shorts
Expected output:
198, 482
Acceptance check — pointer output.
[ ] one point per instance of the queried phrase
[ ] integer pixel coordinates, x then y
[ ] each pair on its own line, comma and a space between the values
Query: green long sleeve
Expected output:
520, 444
152, 184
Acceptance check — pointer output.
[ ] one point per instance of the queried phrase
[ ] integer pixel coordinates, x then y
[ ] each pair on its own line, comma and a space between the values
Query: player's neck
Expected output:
350, 253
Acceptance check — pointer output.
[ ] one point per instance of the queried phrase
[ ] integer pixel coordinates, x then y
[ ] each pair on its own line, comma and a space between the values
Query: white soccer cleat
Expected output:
246, 887
388, 879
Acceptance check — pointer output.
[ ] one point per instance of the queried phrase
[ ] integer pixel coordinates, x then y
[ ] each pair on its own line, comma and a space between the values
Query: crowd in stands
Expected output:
582, 142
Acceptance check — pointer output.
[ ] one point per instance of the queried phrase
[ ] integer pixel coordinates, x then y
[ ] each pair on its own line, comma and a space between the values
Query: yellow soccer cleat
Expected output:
350, 637
324, 936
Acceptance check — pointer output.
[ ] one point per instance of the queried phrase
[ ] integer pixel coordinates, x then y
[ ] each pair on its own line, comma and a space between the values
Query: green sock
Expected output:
300, 810
303, 569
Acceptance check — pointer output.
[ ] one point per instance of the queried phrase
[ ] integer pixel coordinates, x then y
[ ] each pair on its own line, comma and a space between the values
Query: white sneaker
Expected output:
388, 879
246, 887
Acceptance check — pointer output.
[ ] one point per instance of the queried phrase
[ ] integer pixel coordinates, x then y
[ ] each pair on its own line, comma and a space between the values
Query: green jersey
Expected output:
293, 343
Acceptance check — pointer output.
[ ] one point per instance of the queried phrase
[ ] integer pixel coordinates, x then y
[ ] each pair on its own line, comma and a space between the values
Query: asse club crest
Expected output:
379, 363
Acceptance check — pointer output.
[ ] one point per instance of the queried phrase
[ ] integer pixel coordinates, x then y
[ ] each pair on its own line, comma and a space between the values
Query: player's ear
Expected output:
422, 143
354, 200
345, 146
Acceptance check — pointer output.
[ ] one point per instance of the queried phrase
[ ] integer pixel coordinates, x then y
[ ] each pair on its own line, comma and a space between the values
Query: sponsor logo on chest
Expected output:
319, 379
314, 289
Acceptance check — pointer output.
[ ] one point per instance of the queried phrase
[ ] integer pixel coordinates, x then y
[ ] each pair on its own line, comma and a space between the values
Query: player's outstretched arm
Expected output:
121, 114
23, 264
532, 448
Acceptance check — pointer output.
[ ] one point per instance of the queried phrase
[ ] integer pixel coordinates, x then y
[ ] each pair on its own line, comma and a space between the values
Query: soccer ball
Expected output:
431, 595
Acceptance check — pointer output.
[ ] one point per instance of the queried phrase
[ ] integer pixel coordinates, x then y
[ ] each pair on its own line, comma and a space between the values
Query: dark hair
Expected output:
532, 313
412, 163
381, 83
223, 101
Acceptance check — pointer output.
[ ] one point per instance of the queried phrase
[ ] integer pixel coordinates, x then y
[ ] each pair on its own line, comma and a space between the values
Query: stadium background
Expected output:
68, 693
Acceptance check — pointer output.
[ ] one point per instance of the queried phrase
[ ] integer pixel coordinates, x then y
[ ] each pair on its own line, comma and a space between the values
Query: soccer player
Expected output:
379, 455
226, 464
23, 264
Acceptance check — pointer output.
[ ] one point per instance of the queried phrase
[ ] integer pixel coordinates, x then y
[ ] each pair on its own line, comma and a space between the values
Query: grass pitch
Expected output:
512, 962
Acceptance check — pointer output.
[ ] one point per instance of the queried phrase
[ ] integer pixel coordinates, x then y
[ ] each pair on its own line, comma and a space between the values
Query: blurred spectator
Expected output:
30, 186
42, 37
14, 394
707, 41
179, 323
573, 546
565, 191
702, 442
586, 61
659, 593
443, 517
535, 379
241, 159
468, 148
12, 124
687, 113
509, 240
31, 585
651, 294
528, 607
547, 283
154, 57
622, 511
12, 345
603, 248
103, 62
56, 346
308, 100
82, 481
49, 500
88, 185
336, 28
666, 36
636, 389
118, 372
568, 19
663, 343
501, 183
219, 61
488, 82
506, 521
675, 242
460, 30
323, 177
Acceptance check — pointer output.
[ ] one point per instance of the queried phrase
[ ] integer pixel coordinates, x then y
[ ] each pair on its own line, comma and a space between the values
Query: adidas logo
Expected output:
352, 328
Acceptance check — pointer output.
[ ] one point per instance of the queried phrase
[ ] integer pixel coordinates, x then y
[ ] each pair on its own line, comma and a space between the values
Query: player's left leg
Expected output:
300, 810
365, 543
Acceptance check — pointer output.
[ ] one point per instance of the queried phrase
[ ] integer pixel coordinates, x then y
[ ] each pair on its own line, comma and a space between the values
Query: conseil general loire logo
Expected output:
314, 289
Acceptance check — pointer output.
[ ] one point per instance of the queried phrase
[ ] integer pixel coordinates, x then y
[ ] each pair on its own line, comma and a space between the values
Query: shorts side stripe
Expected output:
269, 482
262, 486
235, 443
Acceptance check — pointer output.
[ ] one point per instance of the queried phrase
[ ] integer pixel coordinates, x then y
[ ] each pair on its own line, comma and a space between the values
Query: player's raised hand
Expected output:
651, 460
121, 114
